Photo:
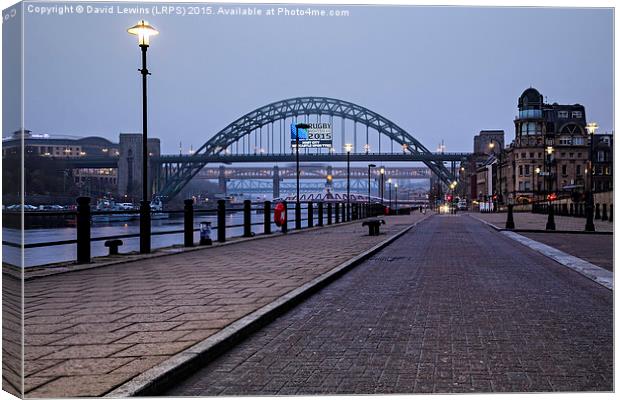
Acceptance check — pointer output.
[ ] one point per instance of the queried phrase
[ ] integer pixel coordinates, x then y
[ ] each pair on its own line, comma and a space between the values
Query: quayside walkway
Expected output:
87, 332
451, 306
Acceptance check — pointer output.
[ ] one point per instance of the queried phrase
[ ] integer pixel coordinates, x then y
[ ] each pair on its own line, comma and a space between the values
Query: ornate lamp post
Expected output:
389, 181
381, 187
591, 128
348, 147
396, 197
144, 31
499, 169
550, 218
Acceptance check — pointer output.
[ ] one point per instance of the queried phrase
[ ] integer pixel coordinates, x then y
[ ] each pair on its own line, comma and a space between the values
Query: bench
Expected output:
373, 226
113, 245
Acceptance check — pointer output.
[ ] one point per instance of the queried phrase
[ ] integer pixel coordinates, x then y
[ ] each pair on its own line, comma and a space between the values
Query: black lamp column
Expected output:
145, 204
591, 128
297, 202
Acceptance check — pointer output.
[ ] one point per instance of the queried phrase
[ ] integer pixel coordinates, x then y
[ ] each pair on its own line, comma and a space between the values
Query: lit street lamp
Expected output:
297, 203
381, 186
390, 192
550, 218
499, 170
591, 128
369, 167
348, 147
144, 31
396, 197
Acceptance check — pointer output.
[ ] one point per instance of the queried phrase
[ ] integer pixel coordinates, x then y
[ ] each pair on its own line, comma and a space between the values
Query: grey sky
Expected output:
439, 73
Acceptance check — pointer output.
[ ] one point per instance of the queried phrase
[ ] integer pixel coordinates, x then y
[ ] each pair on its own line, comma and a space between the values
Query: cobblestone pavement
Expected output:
89, 331
451, 306
597, 249
527, 220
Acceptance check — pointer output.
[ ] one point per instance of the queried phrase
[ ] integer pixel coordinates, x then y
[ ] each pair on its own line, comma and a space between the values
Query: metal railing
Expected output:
322, 213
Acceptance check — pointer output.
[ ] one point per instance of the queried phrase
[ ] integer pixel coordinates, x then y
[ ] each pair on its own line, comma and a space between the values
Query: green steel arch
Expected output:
295, 107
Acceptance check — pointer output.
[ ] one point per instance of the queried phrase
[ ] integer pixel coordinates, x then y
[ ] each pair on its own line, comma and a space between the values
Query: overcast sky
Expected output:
439, 73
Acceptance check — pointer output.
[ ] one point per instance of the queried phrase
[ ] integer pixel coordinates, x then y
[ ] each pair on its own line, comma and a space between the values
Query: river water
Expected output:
54, 254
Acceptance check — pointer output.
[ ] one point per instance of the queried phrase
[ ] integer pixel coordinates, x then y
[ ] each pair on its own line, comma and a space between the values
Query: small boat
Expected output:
111, 205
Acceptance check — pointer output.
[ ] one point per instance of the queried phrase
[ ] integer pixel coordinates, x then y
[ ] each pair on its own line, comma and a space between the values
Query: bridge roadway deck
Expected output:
451, 306
89, 331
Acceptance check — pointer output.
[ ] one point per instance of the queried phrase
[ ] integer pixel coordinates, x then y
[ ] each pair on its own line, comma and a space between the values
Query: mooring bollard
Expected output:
285, 221
310, 215
611, 213
329, 213
247, 218
571, 210
344, 210
604, 217
221, 221
188, 223
297, 215
267, 217
320, 222
510, 222
337, 207
597, 214
83, 230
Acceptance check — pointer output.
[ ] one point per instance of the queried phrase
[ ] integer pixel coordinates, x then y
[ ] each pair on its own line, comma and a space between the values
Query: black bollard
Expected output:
597, 214
310, 215
550, 219
510, 223
247, 218
188, 223
285, 221
604, 217
297, 215
83, 230
344, 210
221, 221
611, 213
320, 222
267, 217
329, 213
572, 209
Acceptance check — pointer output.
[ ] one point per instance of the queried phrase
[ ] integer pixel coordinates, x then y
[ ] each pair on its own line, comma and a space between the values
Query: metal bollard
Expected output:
571, 210
510, 222
320, 222
604, 217
297, 215
83, 230
310, 215
285, 224
611, 213
267, 219
247, 218
337, 212
188, 223
597, 214
221, 221
329, 213
344, 210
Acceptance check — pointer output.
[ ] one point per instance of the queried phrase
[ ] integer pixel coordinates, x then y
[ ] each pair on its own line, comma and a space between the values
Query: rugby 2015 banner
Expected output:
318, 135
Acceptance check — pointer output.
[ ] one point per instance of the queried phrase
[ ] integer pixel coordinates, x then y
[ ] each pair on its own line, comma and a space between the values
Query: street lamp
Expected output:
348, 147
390, 192
369, 167
550, 217
381, 186
297, 203
591, 128
499, 168
396, 197
144, 31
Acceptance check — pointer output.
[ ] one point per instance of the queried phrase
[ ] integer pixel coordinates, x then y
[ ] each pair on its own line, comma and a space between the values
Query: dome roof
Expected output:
530, 97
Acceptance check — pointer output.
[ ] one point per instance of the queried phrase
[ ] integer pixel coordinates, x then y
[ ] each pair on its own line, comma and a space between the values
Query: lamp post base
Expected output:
550, 219
589, 219
145, 226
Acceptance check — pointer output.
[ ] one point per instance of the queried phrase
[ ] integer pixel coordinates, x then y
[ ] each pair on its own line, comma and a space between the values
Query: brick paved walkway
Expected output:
597, 249
89, 331
451, 306
527, 220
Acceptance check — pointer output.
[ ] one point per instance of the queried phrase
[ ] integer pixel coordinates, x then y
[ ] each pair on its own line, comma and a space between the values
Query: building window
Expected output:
564, 169
605, 139
578, 170
565, 140
531, 155
601, 156
578, 141
562, 114
520, 170
527, 170
523, 155
577, 114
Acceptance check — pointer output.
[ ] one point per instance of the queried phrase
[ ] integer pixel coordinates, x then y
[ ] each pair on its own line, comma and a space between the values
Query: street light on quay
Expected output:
381, 186
499, 169
591, 129
297, 203
348, 147
144, 31
390, 192
550, 217
369, 167
396, 197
